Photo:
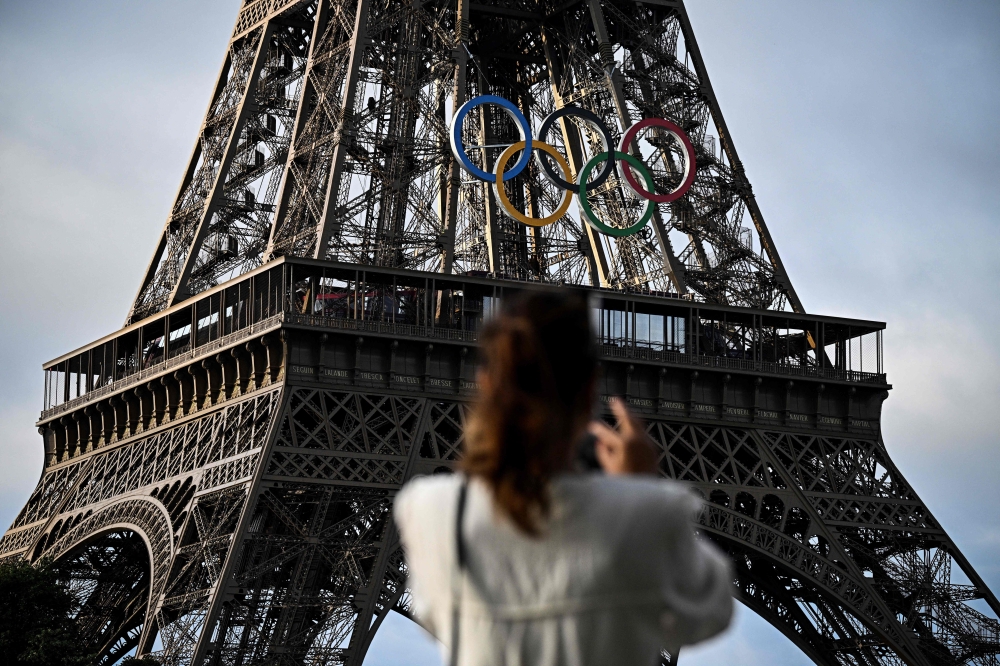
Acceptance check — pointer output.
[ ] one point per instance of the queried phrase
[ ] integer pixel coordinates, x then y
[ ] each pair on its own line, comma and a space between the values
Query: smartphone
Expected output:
586, 454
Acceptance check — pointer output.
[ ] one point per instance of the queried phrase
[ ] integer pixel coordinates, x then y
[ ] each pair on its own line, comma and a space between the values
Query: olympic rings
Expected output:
626, 163
606, 144
457, 147
689, 165
501, 194
588, 212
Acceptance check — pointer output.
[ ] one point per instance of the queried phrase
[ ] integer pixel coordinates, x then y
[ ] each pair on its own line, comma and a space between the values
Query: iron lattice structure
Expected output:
327, 137
219, 473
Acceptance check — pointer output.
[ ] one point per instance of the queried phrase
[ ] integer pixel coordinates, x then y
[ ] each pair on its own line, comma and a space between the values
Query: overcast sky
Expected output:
868, 129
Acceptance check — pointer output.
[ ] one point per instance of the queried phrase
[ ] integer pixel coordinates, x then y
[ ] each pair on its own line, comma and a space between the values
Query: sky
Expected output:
868, 131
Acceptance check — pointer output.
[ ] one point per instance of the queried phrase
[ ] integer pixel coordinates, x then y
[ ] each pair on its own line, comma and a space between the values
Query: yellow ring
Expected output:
502, 195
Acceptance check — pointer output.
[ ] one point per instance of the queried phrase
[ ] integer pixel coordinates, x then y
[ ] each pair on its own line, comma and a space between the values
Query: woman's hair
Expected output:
539, 362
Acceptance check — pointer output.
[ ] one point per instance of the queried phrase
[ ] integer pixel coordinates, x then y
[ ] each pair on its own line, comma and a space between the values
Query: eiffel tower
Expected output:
219, 472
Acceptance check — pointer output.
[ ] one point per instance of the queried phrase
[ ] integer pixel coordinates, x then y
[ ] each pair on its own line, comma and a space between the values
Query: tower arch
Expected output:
114, 561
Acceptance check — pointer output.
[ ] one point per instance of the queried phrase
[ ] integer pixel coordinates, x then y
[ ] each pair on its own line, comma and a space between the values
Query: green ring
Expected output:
588, 212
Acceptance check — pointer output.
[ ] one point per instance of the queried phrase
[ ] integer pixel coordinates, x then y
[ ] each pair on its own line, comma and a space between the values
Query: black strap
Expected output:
460, 562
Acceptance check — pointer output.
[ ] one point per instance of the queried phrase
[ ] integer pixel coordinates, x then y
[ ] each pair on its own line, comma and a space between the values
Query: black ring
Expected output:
606, 139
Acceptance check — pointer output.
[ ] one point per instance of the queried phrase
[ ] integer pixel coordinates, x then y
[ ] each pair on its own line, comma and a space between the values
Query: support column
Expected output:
661, 377
184, 391
727, 143
461, 56
172, 398
320, 347
215, 198
132, 413
756, 398
68, 427
82, 431
788, 397
461, 369
677, 271
59, 441
308, 96
120, 413
158, 399
331, 219
493, 234
49, 441
275, 348
256, 365
722, 403
690, 402
819, 404
597, 260
850, 407
427, 364
213, 375
670, 262
358, 342
107, 422
199, 386
393, 348
145, 398
96, 424
244, 369
228, 367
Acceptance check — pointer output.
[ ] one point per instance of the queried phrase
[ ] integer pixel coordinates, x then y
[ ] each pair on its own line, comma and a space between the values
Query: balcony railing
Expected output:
723, 362
174, 361
384, 327
452, 335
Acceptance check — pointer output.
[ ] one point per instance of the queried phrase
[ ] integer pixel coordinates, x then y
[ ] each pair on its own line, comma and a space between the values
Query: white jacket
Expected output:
616, 575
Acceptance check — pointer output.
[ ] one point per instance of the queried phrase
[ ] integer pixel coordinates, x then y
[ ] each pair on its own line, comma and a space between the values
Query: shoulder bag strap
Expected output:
456, 587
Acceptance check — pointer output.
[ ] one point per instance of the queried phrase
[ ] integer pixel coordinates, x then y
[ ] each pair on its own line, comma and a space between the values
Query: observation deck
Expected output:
325, 323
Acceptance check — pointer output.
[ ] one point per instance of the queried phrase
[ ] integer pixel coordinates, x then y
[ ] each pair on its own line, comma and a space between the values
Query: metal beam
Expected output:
597, 260
180, 290
671, 263
461, 55
329, 223
301, 114
161, 246
727, 141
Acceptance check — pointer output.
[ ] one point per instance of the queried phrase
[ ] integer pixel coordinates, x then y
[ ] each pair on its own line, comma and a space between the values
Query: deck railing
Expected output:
624, 351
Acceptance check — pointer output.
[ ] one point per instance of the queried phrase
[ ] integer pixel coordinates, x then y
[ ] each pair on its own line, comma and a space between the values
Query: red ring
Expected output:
627, 172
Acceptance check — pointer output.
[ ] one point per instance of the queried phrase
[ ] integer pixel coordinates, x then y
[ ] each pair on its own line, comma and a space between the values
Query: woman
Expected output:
522, 560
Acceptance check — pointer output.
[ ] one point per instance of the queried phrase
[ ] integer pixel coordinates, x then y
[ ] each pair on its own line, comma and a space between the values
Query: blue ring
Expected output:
458, 148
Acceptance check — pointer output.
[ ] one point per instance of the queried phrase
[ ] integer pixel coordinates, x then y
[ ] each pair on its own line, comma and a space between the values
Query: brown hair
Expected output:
539, 362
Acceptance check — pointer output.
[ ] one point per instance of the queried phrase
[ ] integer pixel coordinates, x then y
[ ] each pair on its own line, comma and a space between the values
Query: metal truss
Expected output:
221, 220
109, 576
327, 137
136, 527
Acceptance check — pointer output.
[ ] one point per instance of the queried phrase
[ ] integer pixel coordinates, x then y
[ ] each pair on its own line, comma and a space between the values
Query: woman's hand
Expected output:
629, 450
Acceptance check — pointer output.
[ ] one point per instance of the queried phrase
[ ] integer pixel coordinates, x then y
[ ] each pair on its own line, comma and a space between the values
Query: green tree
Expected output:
36, 627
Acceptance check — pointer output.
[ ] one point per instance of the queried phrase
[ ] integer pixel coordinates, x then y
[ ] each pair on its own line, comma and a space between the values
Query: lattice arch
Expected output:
146, 517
